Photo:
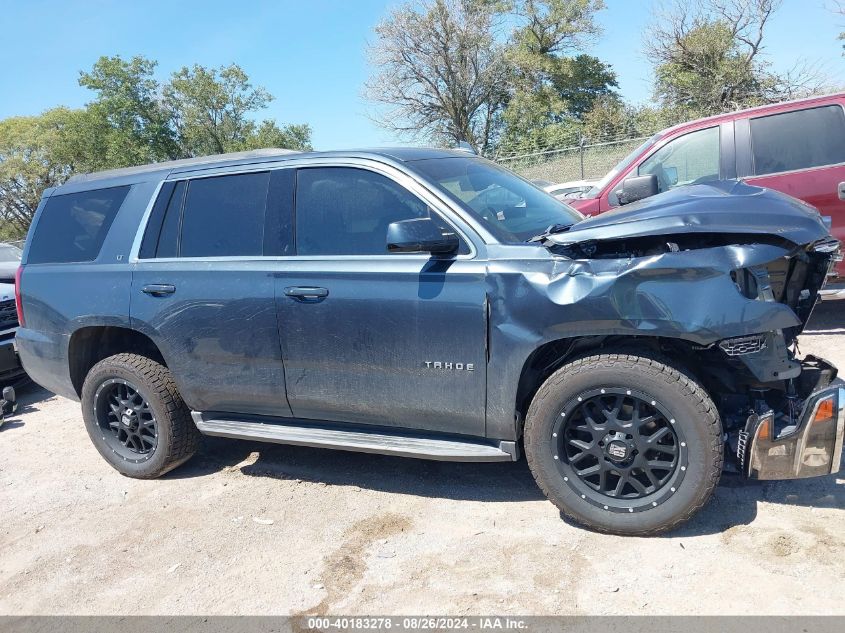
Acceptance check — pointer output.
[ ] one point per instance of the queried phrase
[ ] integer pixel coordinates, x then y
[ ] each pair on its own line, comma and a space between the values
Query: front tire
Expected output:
624, 444
136, 418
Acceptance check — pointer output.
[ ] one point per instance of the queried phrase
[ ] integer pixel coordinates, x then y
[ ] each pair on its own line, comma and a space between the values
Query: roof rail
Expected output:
184, 162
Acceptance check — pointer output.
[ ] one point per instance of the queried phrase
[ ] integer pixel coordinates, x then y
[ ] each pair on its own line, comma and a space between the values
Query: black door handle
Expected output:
306, 293
158, 290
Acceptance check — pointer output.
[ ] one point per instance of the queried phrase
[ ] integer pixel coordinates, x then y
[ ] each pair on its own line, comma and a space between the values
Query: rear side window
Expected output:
224, 216
798, 140
73, 226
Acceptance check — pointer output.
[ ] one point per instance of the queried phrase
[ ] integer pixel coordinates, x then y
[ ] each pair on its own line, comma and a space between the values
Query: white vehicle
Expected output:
571, 189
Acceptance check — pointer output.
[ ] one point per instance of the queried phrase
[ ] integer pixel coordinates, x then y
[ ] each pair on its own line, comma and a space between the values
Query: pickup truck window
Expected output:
798, 140
73, 227
511, 208
621, 166
689, 159
346, 211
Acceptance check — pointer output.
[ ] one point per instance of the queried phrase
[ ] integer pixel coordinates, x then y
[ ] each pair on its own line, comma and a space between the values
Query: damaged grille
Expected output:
742, 345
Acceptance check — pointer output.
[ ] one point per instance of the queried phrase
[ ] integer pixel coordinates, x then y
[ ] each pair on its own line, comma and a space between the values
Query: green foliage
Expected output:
580, 81
552, 92
612, 119
127, 118
208, 109
709, 58
440, 72
133, 119
448, 71
529, 126
551, 27
34, 155
709, 73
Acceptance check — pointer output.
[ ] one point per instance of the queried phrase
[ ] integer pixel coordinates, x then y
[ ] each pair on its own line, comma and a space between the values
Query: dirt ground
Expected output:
249, 528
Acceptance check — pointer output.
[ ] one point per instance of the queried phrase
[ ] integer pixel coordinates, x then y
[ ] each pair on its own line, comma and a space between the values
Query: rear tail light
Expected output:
18, 303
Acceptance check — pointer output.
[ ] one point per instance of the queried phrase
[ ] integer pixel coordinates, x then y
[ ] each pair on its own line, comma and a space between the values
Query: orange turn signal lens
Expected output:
824, 413
764, 431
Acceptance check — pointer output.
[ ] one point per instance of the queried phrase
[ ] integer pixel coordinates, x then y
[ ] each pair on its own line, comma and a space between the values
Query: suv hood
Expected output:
721, 208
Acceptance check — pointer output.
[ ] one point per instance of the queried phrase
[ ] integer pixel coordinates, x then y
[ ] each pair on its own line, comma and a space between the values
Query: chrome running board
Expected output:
356, 438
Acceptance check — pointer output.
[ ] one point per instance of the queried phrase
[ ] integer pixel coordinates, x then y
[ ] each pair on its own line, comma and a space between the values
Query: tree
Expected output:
440, 72
529, 125
709, 57
582, 80
609, 119
552, 90
448, 72
209, 112
131, 123
32, 158
133, 119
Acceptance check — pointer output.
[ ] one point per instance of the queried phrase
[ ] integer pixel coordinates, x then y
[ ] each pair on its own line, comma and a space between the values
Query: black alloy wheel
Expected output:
619, 449
624, 443
126, 420
136, 417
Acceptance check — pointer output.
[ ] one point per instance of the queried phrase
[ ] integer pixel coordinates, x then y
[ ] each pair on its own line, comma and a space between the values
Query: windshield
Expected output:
511, 208
9, 253
621, 166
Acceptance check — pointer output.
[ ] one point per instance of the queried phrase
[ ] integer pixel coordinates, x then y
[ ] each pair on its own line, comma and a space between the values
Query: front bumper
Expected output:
812, 448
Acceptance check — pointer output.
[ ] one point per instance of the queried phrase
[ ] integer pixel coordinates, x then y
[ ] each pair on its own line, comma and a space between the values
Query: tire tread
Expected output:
657, 367
185, 437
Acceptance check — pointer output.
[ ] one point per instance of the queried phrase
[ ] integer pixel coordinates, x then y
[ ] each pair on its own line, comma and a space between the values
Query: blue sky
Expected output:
310, 54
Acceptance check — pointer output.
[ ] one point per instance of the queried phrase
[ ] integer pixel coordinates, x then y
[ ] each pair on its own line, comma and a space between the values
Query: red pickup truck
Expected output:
797, 147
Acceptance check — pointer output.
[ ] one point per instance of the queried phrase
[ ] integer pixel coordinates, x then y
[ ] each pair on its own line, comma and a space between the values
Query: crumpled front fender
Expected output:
688, 295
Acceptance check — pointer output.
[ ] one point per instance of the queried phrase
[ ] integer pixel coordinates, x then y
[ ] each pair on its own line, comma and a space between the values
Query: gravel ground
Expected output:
248, 528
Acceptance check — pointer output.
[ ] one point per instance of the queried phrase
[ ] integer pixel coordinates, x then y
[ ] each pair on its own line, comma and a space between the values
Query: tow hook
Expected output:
8, 405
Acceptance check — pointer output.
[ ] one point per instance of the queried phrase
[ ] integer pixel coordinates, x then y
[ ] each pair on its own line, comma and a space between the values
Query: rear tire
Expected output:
624, 444
136, 418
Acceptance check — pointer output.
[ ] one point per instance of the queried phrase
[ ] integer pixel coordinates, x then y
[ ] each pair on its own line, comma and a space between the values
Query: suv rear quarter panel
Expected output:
59, 299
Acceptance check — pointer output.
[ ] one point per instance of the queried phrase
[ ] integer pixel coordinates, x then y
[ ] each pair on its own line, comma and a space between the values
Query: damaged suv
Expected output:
428, 303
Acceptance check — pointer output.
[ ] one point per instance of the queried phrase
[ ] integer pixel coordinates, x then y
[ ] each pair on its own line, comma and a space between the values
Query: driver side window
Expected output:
346, 211
689, 159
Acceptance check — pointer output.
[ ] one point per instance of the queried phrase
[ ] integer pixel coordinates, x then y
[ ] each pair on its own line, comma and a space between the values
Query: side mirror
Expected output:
420, 235
638, 188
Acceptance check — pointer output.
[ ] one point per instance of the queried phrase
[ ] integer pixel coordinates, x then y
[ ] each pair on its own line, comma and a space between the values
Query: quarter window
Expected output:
346, 211
689, 159
73, 226
162, 233
168, 239
798, 140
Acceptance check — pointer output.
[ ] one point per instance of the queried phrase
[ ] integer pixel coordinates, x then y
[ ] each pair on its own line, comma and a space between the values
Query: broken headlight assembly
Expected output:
810, 448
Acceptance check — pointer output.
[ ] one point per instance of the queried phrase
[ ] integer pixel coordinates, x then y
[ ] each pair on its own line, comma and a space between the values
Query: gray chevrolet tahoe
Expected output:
428, 303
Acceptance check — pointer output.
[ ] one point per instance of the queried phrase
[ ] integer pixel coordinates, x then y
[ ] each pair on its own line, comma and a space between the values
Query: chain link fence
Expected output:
578, 162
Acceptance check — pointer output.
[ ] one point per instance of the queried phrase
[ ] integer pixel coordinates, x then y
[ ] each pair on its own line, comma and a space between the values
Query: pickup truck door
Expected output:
370, 337
801, 153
